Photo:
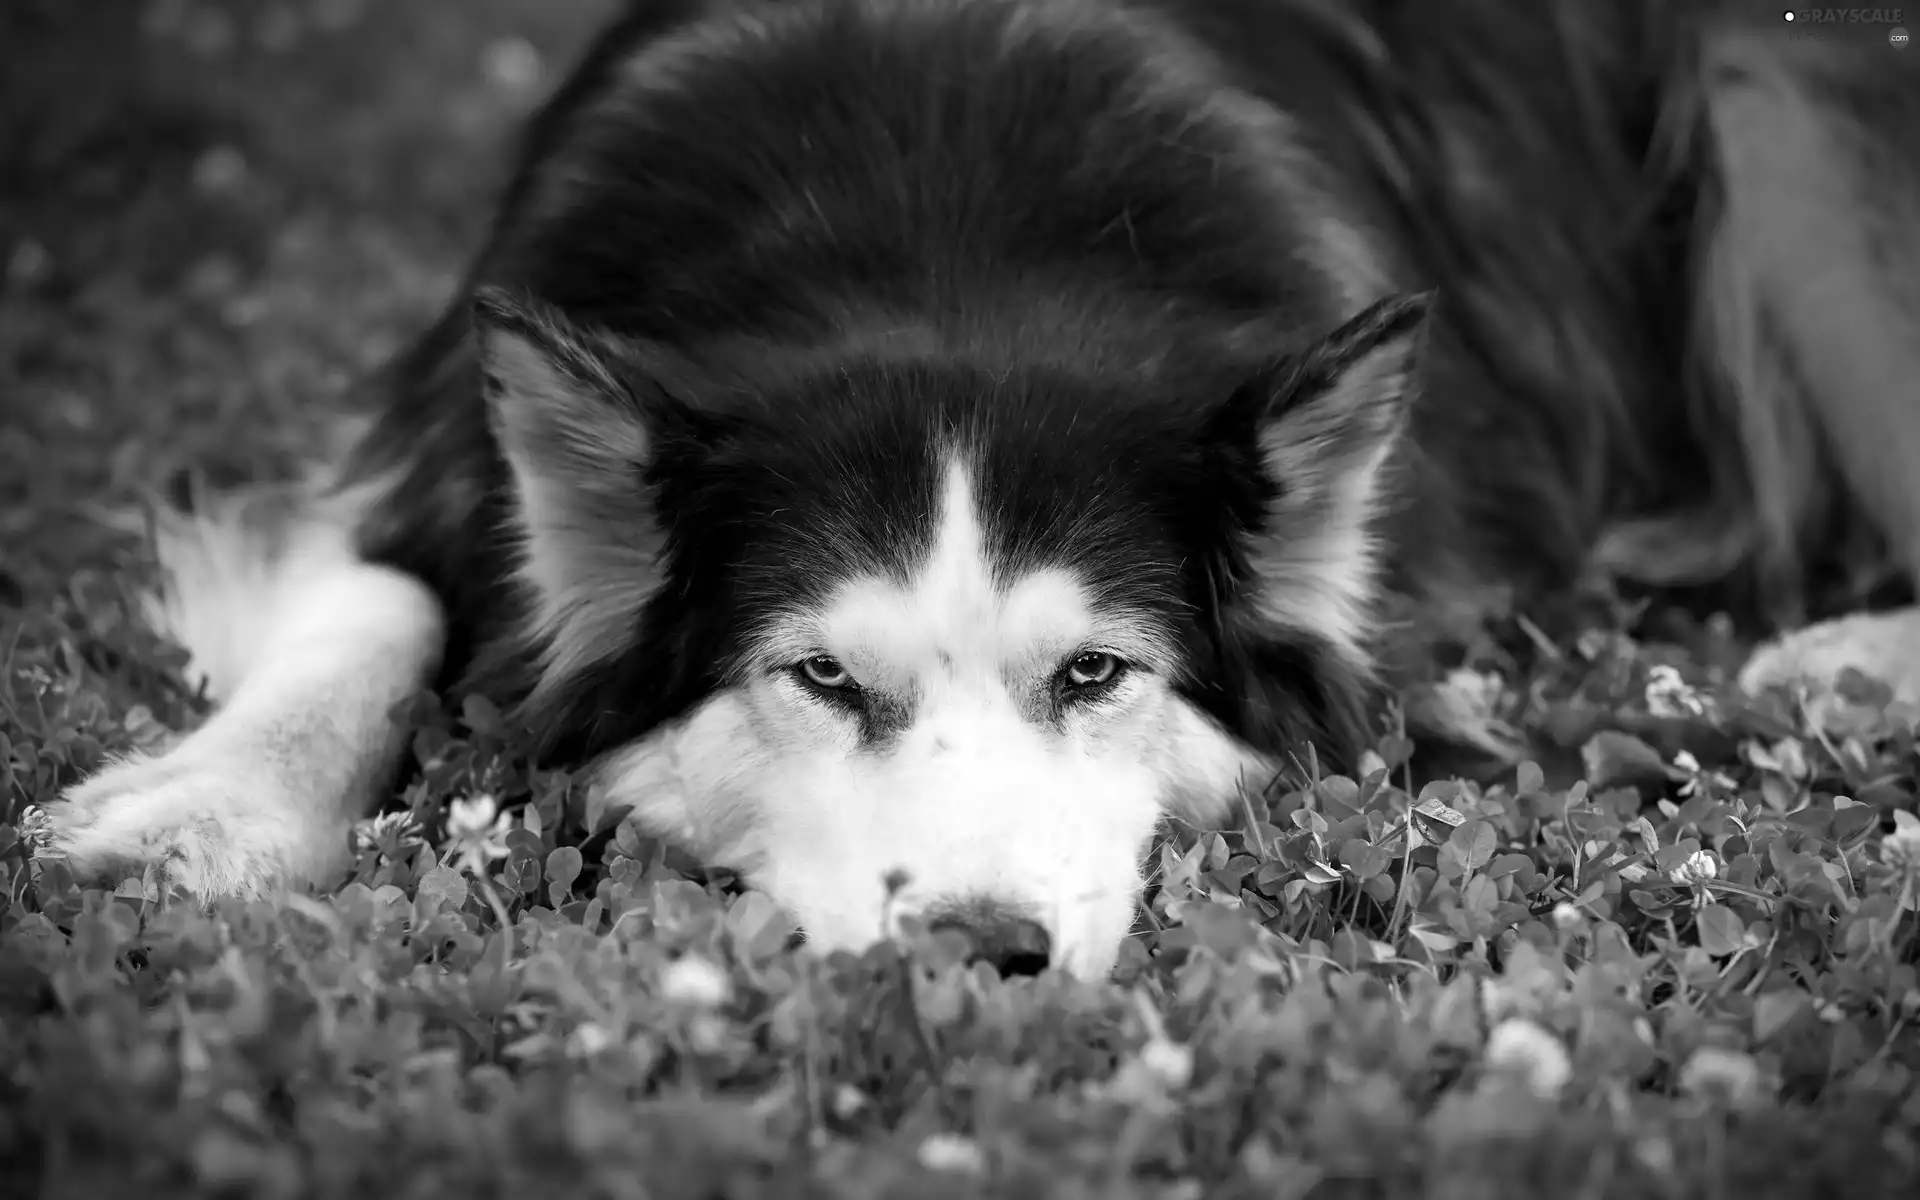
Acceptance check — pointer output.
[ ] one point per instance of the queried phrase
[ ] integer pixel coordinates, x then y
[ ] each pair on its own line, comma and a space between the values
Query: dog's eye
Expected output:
823, 671
1094, 669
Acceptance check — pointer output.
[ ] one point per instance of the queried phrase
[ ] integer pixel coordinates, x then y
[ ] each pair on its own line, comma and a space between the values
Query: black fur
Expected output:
1093, 256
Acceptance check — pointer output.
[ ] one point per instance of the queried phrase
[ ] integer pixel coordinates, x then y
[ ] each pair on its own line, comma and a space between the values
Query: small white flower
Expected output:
1726, 1073
695, 981
1568, 918
848, 1102
1482, 690
1168, 1062
1700, 867
1469, 703
477, 831
1668, 695
472, 816
1521, 1048
1656, 1155
707, 1033
587, 1040
1697, 774
1900, 848
36, 828
387, 832
951, 1152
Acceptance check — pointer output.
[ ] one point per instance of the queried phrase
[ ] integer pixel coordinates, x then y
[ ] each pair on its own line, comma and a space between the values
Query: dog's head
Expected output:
982, 631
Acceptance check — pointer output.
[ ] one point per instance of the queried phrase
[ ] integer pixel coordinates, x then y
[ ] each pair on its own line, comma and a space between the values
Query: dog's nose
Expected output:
1014, 944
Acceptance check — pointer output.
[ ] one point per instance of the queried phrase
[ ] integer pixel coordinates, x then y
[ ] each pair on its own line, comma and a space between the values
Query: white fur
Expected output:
981, 796
1319, 565
1883, 645
1323, 581
309, 650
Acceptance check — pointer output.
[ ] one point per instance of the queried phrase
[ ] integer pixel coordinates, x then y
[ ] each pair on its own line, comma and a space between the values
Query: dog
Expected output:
912, 450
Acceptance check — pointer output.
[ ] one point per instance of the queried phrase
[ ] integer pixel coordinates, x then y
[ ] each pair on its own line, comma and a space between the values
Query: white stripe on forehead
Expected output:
952, 617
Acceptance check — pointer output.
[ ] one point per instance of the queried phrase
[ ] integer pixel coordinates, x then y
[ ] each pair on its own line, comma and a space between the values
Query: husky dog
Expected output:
955, 437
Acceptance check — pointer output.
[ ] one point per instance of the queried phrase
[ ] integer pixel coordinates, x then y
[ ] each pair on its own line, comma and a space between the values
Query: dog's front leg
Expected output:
1881, 645
265, 794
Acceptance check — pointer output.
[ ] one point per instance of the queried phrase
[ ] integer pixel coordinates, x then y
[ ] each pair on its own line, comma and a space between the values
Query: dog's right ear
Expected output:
1324, 421
577, 419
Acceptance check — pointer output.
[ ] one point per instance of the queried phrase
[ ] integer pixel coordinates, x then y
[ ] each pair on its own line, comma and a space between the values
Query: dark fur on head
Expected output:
684, 506
730, 363
761, 259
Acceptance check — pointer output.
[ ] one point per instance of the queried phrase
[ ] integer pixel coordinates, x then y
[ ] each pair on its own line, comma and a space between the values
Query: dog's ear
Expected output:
1325, 423
578, 421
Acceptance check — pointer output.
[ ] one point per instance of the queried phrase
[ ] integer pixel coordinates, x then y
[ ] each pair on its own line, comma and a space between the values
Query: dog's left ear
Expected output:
1325, 423
579, 420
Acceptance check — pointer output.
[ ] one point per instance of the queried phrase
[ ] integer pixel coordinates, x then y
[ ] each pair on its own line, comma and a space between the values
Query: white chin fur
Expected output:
1057, 837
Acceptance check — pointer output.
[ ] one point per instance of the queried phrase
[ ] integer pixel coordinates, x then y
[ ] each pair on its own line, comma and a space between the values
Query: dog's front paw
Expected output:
205, 824
1884, 646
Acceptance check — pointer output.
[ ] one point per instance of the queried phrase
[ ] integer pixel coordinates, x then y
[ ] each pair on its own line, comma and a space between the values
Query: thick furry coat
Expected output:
1136, 386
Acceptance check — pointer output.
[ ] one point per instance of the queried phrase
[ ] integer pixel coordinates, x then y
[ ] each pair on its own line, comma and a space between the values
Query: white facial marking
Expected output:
954, 622
983, 788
